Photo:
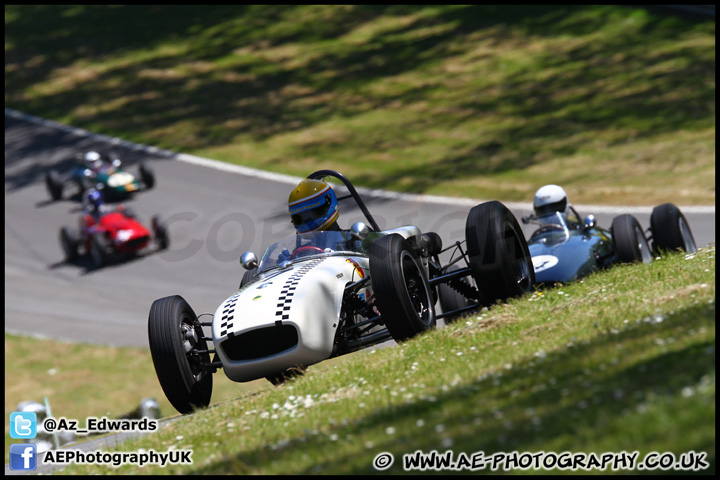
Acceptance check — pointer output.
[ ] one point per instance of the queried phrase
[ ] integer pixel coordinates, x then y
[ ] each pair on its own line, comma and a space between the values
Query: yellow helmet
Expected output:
313, 206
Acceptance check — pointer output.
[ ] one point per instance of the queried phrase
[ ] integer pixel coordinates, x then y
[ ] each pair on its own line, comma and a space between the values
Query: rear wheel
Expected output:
631, 245
180, 354
670, 230
499, 257
402, 291
69, 242
451, 300
285, 376
54, 185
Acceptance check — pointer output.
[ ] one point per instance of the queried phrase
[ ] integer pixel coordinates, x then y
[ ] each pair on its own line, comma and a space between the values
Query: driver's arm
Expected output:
284, 256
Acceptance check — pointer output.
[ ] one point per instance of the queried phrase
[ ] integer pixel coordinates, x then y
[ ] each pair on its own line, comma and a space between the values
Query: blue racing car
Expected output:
564, 248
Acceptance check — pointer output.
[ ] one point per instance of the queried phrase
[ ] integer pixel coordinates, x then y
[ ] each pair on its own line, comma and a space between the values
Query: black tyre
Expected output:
99, 250
403, 294
180, 354
451, 300
631, 245
670, 230
160, 235
147, 176
54, 185
498, 253
285, 376
247, 276
69, 243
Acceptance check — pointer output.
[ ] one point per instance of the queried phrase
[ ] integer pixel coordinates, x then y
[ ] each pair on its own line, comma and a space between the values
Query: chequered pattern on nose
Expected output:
228, 313
286, 294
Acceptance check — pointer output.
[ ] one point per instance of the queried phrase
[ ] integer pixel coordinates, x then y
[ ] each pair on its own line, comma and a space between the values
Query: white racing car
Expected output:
318, 295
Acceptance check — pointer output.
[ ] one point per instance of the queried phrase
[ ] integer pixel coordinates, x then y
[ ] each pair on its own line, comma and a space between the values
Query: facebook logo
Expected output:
23, 425
23, 456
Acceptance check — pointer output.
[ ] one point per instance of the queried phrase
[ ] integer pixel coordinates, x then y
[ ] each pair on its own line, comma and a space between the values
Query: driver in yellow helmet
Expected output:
313, 207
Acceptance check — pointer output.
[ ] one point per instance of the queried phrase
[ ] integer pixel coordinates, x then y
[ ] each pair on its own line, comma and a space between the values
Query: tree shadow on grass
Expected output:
257, 97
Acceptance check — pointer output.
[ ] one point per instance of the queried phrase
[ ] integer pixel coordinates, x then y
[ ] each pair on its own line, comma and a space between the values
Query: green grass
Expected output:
81, 380
623, 360
615, 103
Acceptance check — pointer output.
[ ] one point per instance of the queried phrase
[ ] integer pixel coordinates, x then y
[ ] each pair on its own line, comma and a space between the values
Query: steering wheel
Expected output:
546, 228
307, 248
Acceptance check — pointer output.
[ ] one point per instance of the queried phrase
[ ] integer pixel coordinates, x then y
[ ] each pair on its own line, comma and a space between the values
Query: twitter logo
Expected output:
23, 425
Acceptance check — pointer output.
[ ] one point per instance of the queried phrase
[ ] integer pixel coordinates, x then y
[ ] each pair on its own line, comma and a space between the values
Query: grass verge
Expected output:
623, 360
81, 380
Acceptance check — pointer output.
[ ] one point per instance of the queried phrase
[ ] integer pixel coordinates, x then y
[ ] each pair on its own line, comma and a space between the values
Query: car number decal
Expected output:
544, 262
119, 179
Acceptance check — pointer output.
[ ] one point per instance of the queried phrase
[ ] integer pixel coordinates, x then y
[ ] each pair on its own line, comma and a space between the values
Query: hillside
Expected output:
617, 104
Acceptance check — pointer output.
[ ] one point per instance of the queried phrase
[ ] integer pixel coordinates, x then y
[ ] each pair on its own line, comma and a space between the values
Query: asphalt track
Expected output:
213, 212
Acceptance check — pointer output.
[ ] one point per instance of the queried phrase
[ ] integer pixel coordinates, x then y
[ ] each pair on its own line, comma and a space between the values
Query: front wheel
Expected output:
99, 250
69, 243
631, 245
247, 277
498, 253
160, 233
147, 176
670, 229
403, 293
180, 354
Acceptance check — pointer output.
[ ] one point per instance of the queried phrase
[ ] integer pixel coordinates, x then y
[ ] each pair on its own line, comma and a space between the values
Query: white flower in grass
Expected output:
390, 430
447, 442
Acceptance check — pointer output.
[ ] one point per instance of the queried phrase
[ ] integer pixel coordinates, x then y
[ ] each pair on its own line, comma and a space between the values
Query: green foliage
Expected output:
480, 101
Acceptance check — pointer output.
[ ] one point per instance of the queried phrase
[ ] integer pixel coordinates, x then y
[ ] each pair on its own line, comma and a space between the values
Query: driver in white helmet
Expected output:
552, 200
92, 160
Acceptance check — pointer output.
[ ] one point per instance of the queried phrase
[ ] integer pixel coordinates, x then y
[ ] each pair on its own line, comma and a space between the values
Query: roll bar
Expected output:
321, 174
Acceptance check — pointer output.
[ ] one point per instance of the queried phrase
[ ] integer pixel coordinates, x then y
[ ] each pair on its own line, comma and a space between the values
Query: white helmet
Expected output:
92, 159
91, 156
550, 199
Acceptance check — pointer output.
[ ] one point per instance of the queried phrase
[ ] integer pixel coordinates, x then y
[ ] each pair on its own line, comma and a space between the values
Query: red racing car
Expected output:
109, 235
